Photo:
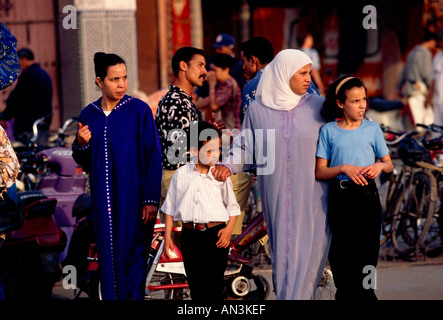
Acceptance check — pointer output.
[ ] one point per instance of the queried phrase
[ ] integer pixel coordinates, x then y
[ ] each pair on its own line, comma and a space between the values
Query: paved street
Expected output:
399, 280
395, 280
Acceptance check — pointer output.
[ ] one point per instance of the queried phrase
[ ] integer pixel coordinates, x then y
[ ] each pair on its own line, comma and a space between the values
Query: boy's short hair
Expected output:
185, 54
200, 132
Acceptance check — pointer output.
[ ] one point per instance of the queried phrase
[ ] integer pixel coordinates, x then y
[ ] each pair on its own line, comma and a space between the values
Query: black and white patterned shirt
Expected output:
175, 112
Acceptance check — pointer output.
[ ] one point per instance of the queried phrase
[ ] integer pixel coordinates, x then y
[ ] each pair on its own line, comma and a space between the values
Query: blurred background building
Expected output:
65, 34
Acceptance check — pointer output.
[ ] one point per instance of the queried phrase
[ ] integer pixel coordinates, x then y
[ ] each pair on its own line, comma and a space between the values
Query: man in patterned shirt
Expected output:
176, 110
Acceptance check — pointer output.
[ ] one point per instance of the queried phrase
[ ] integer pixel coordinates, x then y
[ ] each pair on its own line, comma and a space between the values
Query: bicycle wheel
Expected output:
433, 241
414, 211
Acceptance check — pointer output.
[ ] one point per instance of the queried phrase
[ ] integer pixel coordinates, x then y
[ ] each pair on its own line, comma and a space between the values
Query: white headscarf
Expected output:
273, 88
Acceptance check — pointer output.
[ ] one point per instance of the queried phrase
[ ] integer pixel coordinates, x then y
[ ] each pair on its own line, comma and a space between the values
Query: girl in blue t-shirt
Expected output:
347, 153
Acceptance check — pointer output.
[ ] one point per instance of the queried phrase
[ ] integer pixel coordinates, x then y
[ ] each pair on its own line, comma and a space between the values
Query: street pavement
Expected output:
395, 280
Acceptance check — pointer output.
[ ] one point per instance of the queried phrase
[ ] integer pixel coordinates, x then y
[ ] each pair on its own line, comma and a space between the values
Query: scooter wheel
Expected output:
240, 287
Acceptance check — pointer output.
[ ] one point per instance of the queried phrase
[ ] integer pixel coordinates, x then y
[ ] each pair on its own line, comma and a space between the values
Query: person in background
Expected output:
224, 93
415, 80
117, 142
435, 95
255, 53
30, 100
306, 44
176, 111
225, 43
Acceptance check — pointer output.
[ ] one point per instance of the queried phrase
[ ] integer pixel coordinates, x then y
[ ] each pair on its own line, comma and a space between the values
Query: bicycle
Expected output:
389, 185
433, 240
412, 203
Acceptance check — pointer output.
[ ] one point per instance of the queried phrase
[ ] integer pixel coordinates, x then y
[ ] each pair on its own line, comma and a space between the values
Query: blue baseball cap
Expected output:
9, 63
224, 40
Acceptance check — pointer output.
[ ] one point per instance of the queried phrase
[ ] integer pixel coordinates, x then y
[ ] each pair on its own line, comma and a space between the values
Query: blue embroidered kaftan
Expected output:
124, 158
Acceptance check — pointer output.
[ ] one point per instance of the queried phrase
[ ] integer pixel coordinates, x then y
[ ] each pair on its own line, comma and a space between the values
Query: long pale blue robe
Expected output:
124, 157
294, 202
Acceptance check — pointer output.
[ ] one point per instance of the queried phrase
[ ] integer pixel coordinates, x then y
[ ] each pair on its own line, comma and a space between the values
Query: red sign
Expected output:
180, 24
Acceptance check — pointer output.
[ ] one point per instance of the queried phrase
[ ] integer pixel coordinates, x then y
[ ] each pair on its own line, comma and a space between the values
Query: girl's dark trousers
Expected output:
205, 264
354, 215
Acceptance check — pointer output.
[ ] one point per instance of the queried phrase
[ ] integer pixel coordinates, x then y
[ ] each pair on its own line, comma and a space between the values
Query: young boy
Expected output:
208, 210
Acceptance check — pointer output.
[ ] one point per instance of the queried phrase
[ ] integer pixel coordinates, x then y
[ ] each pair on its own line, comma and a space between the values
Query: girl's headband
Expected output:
341, 83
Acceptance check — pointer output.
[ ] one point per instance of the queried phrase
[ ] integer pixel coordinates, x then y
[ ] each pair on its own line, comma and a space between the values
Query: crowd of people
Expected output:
320, 171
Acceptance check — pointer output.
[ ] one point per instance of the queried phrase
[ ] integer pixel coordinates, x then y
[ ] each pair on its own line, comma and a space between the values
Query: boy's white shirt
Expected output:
199, 198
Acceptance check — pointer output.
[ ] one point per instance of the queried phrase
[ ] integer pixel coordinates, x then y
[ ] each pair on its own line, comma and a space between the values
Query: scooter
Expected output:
65, 181
29, 265
54, 172
391, 113
167, 277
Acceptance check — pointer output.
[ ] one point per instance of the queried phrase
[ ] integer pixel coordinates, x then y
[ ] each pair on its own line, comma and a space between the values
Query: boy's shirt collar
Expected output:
193, 167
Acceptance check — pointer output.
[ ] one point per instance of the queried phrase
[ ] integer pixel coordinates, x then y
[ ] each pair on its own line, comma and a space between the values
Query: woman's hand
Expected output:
149, 213
83, 135
220, 173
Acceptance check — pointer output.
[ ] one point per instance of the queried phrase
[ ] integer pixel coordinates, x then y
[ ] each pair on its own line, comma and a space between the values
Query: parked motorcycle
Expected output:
166, 277
54, 172
29, 264
65, 181
49, 182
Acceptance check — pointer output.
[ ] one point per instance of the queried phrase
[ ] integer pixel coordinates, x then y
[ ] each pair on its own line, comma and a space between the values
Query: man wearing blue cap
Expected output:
224, 43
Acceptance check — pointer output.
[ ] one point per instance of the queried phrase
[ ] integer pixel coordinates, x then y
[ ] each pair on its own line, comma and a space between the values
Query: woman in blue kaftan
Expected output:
117, 142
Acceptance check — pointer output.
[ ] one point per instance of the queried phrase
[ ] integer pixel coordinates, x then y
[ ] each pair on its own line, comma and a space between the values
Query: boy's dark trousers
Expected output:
205, 264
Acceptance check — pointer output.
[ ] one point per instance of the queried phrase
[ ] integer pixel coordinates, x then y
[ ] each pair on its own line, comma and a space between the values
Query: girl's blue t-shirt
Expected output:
358, 147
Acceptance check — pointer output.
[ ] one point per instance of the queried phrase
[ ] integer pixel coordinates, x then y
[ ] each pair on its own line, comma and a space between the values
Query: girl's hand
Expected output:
372, 171
355, 173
